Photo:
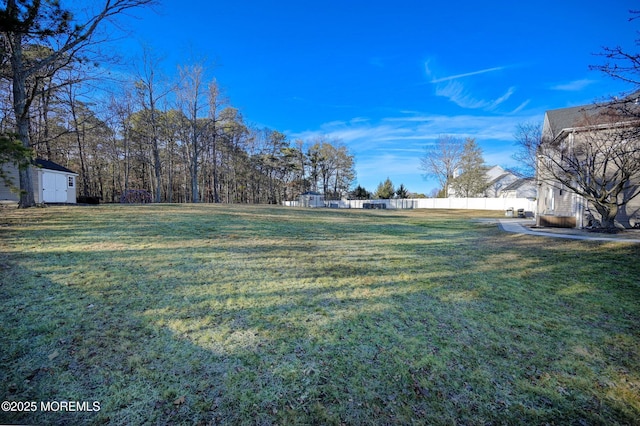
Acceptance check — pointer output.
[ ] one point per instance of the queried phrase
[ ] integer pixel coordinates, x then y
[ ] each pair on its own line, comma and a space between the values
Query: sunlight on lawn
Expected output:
260, 314
575, 289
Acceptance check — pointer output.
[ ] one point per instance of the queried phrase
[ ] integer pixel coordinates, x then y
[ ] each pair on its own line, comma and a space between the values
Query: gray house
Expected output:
569, 129
52, 183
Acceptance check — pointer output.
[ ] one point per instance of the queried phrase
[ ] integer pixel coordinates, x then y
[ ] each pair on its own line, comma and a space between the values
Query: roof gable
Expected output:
495, 172
569, 118
518, 184
50, 165
582, 116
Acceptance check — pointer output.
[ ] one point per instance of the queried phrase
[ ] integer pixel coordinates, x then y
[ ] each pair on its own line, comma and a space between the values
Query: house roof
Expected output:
518, 183
563, 118
589, 115
50, 165
499, 178
494, 172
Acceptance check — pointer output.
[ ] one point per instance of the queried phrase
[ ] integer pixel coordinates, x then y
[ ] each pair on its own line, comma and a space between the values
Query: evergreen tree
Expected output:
12, 152
402, 192
471, 180
360, 194
385, 190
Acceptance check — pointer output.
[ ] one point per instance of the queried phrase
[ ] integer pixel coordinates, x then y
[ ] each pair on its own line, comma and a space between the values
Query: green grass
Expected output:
174, 314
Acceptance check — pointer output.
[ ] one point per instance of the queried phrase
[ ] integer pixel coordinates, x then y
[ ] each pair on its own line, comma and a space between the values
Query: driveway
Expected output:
524, 226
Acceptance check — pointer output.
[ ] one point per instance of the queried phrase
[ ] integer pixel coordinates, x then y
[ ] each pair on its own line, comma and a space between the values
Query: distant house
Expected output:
498, 179
311, 199
504, 184
52, 183
521, 188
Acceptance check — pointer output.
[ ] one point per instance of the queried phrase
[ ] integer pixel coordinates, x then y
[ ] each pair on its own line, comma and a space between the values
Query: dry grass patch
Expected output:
246, 314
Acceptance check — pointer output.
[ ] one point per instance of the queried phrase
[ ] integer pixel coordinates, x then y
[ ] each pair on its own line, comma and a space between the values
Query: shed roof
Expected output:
50, 165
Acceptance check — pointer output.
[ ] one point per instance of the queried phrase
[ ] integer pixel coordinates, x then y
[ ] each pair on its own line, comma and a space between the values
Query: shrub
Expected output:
135, 196
88, 199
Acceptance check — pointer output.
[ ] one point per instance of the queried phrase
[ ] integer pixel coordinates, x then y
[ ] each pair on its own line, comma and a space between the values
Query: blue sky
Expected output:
388, 78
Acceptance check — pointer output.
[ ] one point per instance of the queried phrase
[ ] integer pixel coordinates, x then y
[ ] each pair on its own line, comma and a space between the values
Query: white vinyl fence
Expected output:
505, 204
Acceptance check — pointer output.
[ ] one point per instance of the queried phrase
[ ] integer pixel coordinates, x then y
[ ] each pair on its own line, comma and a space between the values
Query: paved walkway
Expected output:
523, 226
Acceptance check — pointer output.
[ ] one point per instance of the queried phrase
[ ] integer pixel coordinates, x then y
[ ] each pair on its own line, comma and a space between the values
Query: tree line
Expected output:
178, 141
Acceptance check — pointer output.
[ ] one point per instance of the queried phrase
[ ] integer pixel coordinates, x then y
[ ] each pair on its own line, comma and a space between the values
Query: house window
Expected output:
71, 182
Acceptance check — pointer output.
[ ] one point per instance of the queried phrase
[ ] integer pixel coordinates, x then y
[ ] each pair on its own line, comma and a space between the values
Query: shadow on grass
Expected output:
418, 330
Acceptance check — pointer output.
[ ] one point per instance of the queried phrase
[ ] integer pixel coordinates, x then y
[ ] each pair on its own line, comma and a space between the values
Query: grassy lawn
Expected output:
257, 315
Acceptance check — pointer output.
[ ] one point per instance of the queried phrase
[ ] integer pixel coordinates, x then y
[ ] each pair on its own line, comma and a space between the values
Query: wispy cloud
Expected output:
503, 98
393, 146
457, 93
467, 74
413, 131
465, 93
573, 86
521, 106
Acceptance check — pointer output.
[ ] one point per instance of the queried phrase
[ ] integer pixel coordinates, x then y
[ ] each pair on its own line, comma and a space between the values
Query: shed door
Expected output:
54, 188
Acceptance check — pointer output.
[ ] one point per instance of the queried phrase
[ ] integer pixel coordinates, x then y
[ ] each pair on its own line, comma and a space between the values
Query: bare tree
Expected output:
442, 159
44, 23
193, 99
121, 111
345, 172
215, 103
620, 64
528, 138
151, 89
598, 159
624, 66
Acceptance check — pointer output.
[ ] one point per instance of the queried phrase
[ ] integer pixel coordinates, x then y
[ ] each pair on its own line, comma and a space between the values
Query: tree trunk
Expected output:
156, 167
21, 110
608, 213
216, 194
170, 172
194, 176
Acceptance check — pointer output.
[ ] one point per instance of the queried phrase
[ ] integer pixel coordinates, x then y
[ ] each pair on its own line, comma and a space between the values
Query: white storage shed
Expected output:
311, 199
52, 183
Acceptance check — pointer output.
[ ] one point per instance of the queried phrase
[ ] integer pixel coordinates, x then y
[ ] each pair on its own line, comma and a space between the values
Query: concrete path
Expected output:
521, 226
